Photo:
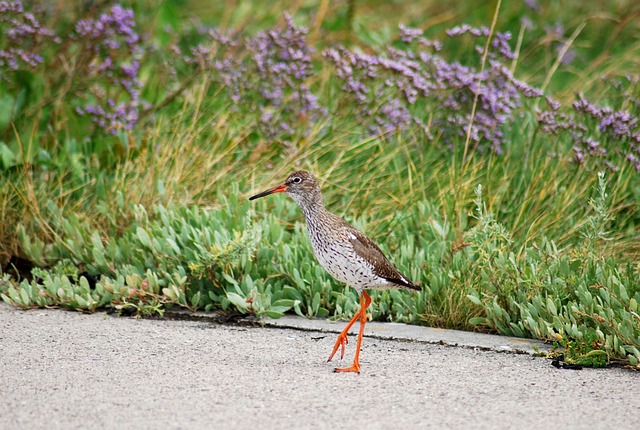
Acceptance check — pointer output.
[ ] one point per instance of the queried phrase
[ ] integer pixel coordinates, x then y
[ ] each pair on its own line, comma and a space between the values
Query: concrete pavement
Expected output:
68, 370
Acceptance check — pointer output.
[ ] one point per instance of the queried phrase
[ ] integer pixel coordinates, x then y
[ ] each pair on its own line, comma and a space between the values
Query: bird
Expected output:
344, 252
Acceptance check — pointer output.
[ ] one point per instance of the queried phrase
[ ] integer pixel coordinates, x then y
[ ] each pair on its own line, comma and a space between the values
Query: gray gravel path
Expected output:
67, 370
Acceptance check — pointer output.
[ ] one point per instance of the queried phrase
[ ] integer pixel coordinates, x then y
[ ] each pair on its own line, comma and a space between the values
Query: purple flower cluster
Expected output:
416, 86
499, 42
410, 87
216, 56
282, 62
266, 73
21, 37
207, 55
112, 53
113, 29
382, 88
599, 132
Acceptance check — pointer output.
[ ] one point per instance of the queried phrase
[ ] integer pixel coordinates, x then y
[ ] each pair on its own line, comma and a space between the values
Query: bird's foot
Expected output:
355, 367
341, 342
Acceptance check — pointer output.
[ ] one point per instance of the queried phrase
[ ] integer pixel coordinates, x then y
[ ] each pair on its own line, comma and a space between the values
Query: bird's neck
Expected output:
313, 211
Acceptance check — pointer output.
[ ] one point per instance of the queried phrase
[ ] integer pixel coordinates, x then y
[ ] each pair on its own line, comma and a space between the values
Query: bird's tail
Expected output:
403, 282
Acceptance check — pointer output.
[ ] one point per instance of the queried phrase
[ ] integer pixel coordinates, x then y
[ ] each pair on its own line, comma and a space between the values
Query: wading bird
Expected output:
344, 252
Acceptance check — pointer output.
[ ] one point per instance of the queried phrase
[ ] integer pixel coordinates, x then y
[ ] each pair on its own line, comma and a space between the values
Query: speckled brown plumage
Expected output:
344, 252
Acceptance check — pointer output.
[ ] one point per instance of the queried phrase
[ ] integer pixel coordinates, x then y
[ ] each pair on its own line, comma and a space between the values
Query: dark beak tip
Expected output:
257, 196
278, 189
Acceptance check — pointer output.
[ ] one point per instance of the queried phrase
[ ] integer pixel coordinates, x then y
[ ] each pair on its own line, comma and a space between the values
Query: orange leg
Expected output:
342, 337
365, 301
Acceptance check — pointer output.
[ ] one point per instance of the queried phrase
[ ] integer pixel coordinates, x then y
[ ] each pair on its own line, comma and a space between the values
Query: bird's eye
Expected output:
297, 180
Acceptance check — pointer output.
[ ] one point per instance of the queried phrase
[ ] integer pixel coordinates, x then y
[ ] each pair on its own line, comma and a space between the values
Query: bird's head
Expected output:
300, 185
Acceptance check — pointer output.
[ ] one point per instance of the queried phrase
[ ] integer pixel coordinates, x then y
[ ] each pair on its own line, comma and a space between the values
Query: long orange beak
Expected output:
279, 189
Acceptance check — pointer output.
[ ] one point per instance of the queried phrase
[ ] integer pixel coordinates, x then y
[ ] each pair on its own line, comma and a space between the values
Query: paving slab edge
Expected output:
396, 331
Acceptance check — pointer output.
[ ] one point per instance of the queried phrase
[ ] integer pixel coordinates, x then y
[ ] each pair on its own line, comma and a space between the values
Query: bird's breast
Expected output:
340, 260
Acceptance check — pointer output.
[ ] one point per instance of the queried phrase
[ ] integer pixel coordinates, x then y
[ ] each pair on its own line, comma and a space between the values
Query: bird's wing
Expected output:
382, 267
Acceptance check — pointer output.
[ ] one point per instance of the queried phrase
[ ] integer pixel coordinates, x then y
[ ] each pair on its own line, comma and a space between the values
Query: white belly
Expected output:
340, 260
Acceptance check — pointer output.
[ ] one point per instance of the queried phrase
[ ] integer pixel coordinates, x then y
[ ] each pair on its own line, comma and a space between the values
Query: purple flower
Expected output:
24, 35
527, 23
266, 73
533, 5
555, 32
600, 133
388, 88
466, 28
282, 60
392, 116
408, 35
113, 52
569, 56
112, 28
